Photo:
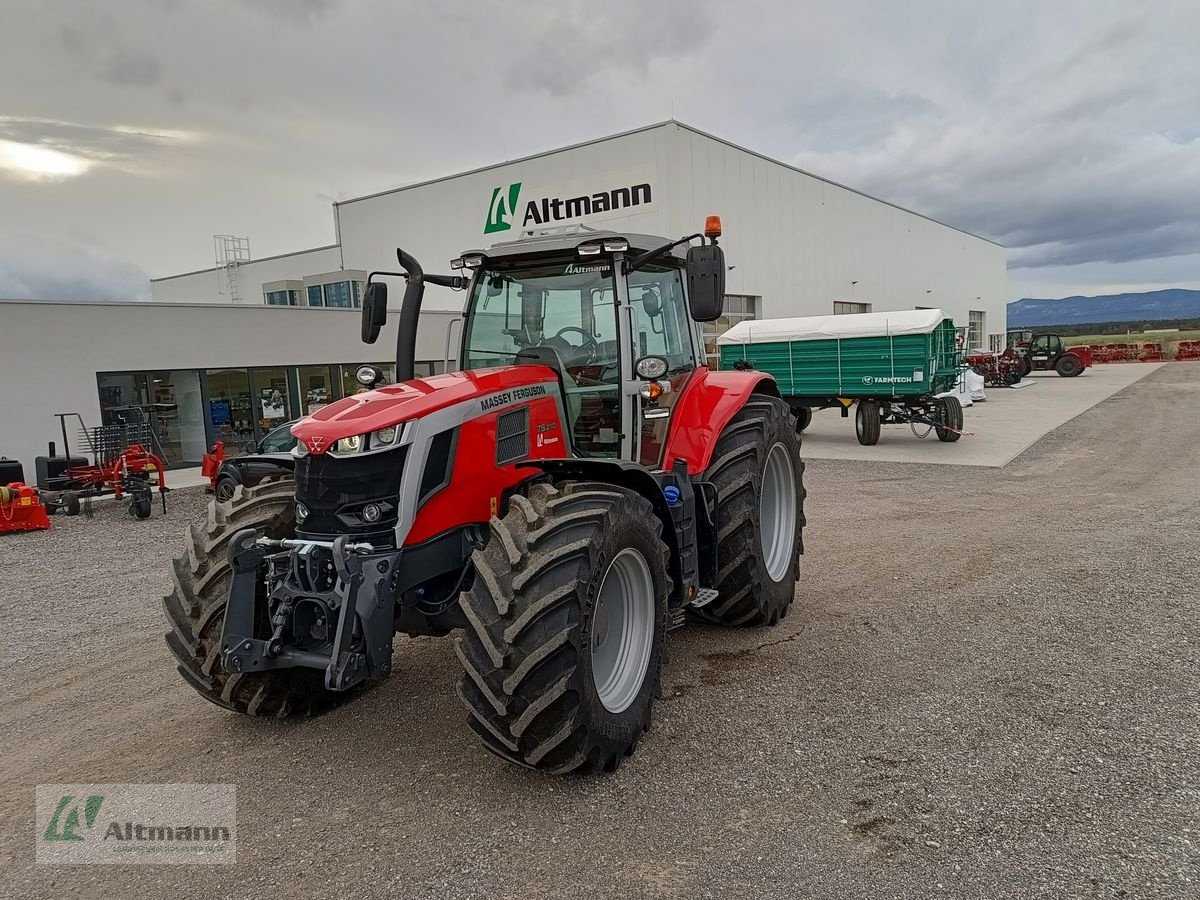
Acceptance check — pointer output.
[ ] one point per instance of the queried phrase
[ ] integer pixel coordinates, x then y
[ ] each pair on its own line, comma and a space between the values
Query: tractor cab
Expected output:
608, 313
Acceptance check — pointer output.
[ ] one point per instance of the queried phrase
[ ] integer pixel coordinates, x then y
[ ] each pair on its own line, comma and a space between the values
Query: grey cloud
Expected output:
33, 268
296, 11
134, 67
578, 42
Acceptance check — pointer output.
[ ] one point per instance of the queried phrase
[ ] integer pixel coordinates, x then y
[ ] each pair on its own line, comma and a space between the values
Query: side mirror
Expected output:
374, 311
706, 282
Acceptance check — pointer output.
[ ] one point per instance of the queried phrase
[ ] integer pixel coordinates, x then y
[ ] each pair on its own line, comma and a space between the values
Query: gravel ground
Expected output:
988, 688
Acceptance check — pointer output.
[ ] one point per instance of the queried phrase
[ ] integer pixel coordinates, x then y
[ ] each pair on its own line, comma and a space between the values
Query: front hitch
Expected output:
310, 586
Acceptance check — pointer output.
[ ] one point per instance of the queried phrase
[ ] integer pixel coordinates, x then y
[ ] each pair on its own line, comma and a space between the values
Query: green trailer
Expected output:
896, 367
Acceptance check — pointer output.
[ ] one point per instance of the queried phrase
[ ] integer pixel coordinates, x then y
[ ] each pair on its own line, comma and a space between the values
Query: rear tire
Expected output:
741, 466
195, 609
1068, 365
804, 417
950, 412
536, 673
867, 423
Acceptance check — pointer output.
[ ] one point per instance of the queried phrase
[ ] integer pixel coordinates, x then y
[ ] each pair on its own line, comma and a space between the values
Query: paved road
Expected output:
988, 689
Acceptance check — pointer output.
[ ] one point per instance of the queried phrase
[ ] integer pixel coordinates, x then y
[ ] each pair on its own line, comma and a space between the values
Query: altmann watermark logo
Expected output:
543, 210
136, 823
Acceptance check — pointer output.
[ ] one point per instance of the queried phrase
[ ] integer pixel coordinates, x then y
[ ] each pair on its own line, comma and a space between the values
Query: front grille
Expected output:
512, 436
330, 485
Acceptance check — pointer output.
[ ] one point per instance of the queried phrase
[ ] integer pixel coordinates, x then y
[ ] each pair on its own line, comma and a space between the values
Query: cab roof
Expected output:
564, 241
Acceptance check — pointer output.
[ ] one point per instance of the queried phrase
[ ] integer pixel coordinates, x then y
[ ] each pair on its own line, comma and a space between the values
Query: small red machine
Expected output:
21, 509
210, 464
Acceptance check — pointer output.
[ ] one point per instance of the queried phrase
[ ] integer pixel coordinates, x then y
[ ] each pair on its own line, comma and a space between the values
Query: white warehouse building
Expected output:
795, 244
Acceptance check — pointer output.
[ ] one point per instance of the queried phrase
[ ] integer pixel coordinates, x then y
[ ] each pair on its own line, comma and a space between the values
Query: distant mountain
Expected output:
1175, 303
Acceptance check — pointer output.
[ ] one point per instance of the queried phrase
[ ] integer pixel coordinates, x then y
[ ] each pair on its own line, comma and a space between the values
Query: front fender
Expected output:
705, 407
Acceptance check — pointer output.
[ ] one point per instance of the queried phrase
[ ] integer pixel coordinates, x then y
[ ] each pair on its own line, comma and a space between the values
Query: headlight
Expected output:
347, 445
384, 437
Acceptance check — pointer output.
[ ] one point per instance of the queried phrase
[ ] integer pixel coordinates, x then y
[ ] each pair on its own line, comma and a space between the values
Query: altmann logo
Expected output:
66, 827
502, 209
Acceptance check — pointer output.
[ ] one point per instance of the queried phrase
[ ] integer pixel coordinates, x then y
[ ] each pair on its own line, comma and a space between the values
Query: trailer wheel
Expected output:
566, 621
1068, 365
70, 503
867, 422
1026, 365
759, 477
950, 412
804, 417
195, 609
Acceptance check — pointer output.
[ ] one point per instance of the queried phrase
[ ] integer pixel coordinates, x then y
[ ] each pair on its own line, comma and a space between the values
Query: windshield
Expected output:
565, 312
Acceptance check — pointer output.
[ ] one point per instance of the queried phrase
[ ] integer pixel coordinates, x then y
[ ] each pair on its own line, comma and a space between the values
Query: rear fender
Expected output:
705, 407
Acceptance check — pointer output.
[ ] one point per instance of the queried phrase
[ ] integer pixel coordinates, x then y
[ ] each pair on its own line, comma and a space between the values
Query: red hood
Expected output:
396, 403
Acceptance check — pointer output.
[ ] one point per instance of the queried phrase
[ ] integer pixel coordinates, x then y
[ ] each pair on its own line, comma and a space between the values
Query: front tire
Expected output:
224, 489
195, 608
544, 675
759, 535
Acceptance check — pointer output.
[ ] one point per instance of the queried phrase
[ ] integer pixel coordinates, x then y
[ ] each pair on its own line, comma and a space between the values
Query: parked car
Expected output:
269, 458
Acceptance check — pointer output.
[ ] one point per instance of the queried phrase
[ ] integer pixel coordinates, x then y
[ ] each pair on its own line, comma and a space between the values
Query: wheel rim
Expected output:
858, 421
224, 491
777, 512
623, 630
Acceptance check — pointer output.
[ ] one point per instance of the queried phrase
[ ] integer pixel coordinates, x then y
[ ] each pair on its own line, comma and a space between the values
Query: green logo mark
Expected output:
67, 829
502, 208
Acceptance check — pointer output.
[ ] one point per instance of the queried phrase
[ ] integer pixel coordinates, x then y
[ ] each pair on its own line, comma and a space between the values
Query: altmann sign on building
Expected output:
518, 204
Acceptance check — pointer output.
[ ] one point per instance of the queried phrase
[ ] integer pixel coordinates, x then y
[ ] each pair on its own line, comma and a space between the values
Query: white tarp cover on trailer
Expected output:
848, 325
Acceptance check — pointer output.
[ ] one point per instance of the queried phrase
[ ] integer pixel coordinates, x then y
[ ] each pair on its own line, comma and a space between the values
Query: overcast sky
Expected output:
131, 131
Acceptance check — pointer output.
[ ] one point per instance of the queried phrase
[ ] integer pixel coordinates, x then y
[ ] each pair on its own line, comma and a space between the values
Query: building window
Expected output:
846, 307
737, 307
282, 298
996, 343
337, 294
293, 298
975, 328
314, 295
357, 293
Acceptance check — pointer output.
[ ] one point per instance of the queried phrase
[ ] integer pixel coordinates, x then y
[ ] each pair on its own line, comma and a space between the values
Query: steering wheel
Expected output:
589, 343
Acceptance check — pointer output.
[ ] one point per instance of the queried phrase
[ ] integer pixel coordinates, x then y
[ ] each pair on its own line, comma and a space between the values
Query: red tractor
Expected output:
584, 484
1046, 351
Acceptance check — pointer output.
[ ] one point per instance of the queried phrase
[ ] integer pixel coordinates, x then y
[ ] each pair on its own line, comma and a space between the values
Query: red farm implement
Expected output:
21, 509
1187, 350
998, 369
124, 465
